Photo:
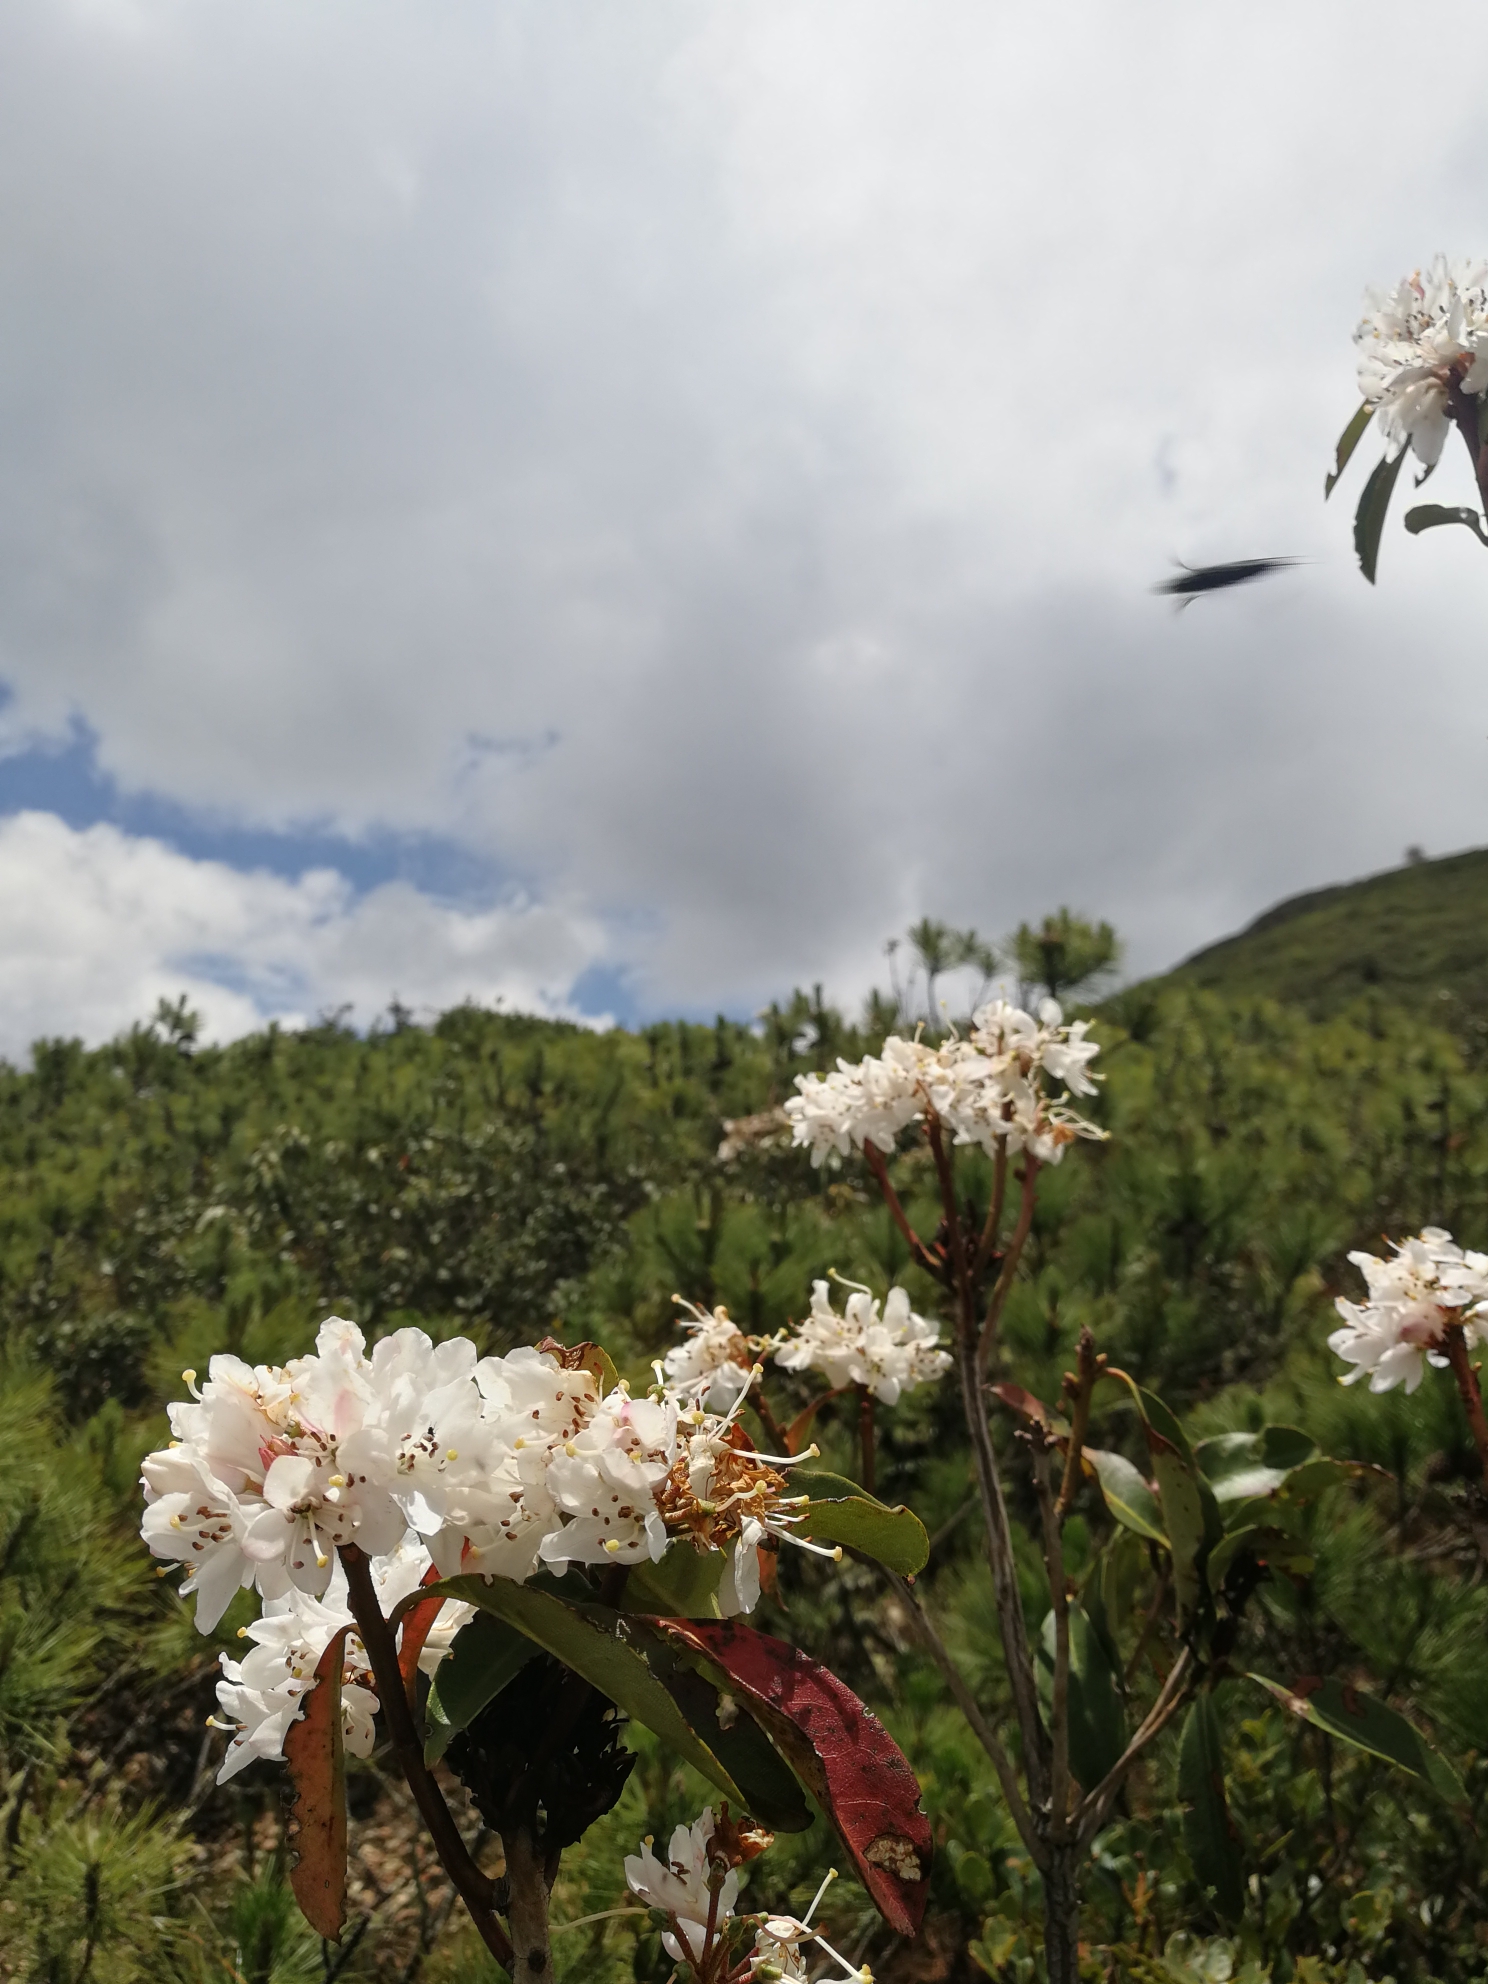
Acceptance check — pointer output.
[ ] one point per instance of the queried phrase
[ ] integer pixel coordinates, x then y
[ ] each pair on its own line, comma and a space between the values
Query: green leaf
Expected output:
684, 1585
1209, 1832
1369, 518
1127, 1495
486, 1654
1429, 516
601, 1645
1097, 1720
1190, 1512
841, 1512
1367, 1724
1286, 1446
1234, 1467
1348, 440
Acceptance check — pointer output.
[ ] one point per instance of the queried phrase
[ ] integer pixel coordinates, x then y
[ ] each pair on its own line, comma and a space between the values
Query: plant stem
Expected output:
1088, 1369
1059, 1783
1096, 1808
527, 1911
1469, 1391
873, 1157
1010, 1260
1465, 407
865, 1435
475, 1890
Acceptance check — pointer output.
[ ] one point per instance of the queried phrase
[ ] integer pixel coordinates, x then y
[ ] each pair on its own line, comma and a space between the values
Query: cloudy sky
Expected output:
618, 505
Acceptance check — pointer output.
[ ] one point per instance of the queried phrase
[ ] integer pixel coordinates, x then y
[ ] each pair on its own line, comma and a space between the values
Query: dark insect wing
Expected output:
1193, 580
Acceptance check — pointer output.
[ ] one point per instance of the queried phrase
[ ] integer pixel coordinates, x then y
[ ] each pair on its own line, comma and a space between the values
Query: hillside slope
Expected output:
1417, 936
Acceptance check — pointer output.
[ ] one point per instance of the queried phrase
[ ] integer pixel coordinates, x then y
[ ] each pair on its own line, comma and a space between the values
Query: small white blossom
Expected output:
1416, 338
713, 1365
890, 1353
605, 1480
679, 1886
1429, 1284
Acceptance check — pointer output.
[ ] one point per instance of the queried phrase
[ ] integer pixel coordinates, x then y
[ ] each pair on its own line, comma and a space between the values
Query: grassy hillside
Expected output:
1416, 936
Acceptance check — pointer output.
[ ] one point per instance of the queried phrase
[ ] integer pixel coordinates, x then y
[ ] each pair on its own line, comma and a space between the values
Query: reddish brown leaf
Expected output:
317, 1767
801, 1425
1028, 1407
840, 1751
418, 1620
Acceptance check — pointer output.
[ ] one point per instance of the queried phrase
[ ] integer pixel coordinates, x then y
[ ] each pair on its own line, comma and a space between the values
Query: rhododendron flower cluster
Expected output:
697, 1888
1427, 1287
990, 1089
420, 1455
1414, 341
715, 1363
889, 1352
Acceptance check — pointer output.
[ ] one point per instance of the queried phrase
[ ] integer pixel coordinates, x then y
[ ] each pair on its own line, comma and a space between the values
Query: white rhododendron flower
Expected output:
715, 1362
605, 1479
262, 1694
1414, 340
990, 1089
1428, 1285
679, 1886
890, 1353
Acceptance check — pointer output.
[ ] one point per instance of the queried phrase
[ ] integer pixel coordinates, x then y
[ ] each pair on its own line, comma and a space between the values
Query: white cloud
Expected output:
711, 460
100, 925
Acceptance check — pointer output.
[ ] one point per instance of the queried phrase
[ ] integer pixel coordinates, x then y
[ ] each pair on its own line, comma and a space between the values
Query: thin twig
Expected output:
873, 1157
1089, 1366
987, 1244
1059, 1784
961, 1694
1468, 1390
1095, 1809
476, 1891
1010, 1260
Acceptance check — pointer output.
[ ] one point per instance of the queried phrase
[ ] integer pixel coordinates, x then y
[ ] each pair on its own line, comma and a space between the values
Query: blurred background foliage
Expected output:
503, 1177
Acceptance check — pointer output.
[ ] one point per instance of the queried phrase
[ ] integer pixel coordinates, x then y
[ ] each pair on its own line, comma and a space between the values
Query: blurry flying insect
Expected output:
1188, 583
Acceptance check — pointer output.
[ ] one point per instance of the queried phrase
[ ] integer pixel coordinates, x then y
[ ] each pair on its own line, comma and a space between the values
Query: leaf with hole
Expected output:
1209, 1832
839, 1750
1431, 516
1367, 1724
1348, 440
316, 1756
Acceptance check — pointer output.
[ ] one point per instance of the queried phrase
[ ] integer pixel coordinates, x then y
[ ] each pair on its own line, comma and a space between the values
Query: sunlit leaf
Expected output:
684, 1583
840, 1751
1235, 1468
1127, 1495
840, 1512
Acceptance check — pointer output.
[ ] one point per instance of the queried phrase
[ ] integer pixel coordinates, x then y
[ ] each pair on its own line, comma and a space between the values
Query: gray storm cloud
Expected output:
711, 461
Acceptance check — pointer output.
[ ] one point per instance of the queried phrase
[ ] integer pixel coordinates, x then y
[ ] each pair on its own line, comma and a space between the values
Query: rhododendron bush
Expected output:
501, 1562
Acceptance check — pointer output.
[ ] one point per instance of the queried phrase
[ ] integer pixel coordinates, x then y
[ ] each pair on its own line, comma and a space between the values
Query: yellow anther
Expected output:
453, 1454
338, 1480
612, 1544
837, 1554
175, 1522
242, 1632
569, 1448
188, 1377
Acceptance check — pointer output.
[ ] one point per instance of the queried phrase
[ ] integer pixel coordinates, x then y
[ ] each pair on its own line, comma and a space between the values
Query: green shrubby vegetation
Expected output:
501, 1177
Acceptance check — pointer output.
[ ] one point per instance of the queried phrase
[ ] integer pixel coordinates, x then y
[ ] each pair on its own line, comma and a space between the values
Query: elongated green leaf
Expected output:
840, 1512
1430, 516
1369, 518
683, 1585
1127, 1495
1348, 440
1209, 1832
1097, 1720
1359, 1719
1190, 1511
771, 1793
599, 1644
486, 1654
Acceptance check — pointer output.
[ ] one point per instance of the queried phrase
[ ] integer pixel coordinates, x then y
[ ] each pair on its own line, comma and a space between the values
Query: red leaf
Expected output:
317, 1766
840, 1751
418, 1620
